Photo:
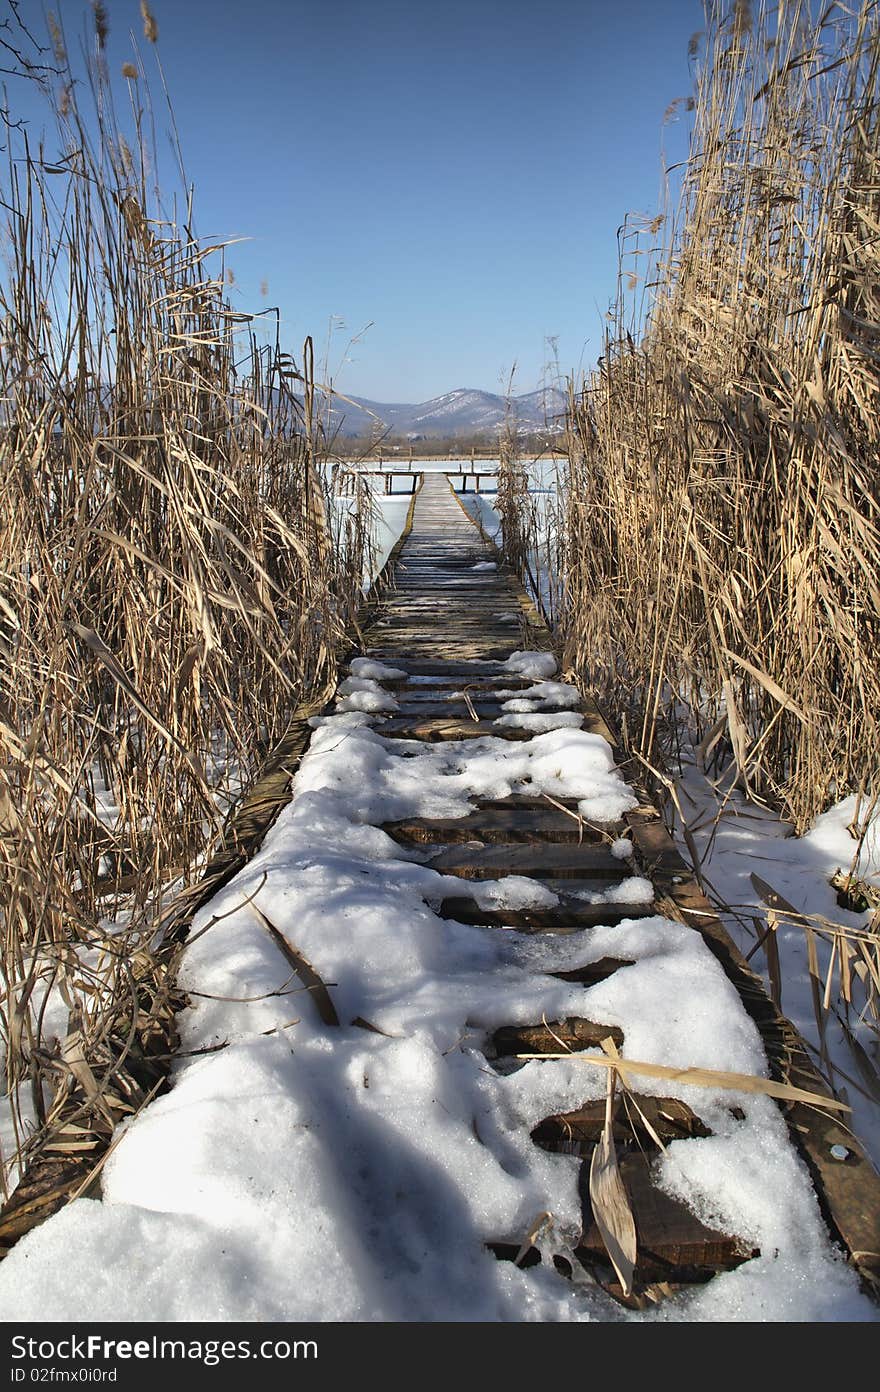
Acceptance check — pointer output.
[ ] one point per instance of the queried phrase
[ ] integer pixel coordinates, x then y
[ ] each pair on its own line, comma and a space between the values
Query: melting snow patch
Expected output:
362, 694
534, 665
374, 671
513, 892
543, 696
544, 720
633, 890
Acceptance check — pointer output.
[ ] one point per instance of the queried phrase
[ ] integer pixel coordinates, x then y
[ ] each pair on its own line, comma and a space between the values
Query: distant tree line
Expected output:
482, 444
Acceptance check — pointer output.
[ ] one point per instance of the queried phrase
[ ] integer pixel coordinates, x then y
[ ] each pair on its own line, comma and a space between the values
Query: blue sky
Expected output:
451, 171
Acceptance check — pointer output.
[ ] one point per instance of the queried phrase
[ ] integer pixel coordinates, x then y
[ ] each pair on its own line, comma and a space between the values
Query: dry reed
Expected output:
172, 586
721, 538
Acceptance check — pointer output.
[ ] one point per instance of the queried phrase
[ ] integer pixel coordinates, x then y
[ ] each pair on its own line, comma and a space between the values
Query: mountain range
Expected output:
464, 411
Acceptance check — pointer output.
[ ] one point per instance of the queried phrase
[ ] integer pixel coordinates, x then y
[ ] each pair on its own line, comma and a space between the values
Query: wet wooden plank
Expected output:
453, 668
592, 972
442, 652
486, 708
431, 686
449, 700
452, 727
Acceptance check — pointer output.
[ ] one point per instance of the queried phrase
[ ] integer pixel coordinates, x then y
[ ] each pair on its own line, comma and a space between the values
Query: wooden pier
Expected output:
446, 618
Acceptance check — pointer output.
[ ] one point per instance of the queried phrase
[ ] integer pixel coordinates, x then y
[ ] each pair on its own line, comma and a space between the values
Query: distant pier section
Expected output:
399, 476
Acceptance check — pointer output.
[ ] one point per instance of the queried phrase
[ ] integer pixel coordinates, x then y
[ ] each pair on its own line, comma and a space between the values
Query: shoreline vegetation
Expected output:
173, 588
720, 527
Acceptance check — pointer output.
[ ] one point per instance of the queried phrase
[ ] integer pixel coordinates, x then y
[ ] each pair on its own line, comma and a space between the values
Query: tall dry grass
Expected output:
721, 502
171, 582
718, 522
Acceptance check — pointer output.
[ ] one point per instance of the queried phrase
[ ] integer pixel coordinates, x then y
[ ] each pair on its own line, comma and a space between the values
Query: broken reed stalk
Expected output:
172, 584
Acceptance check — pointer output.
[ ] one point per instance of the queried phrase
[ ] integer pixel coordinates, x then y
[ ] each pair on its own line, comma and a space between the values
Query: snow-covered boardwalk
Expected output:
462, 878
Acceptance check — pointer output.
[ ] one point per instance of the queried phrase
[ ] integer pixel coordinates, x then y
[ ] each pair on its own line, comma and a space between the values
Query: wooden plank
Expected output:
572, 917
446, 621
481, 637
486, 708
470, 596
572, 1033
593, 972
447, 728
496, 825
576, 1132
669, 1234
431, 685
537, 861
418, 700
442, 653
453, 668
466, 615
538, 802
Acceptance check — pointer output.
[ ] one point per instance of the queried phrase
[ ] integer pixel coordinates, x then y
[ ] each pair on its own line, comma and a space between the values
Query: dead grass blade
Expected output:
609, 1199
303, 968
703, 1077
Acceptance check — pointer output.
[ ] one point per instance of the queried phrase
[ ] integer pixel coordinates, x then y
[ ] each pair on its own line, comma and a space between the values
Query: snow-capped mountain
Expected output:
464, 411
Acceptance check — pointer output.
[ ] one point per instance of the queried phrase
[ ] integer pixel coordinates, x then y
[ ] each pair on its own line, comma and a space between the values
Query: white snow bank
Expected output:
355, 1172
747, 841
386, 780
830, 836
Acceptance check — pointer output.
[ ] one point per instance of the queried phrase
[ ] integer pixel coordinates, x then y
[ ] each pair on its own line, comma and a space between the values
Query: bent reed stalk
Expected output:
172, 586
